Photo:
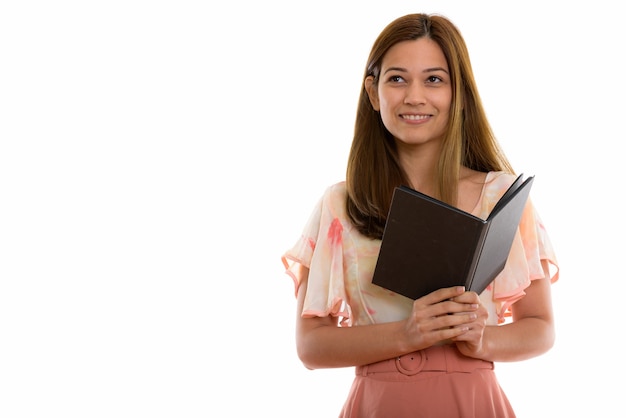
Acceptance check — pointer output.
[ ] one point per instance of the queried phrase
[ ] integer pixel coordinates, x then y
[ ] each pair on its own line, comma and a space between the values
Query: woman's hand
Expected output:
443, 315
470, 343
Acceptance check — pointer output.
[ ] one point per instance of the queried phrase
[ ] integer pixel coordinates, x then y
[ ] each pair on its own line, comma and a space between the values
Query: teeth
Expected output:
415, 117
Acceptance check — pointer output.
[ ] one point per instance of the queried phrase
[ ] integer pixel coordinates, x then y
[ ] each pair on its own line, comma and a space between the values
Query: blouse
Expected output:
341, 262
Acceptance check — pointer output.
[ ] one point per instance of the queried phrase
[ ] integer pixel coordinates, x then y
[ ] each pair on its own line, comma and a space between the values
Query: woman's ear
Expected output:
372, 92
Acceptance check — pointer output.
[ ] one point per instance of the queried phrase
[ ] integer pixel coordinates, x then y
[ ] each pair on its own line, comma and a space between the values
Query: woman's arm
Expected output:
321, 343
530, 334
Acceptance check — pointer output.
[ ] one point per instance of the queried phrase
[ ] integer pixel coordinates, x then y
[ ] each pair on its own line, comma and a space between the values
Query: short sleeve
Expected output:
320, 249
530, 247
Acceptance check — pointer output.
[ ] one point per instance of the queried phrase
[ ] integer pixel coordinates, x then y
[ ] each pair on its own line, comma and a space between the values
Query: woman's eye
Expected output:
396, 79
433, 79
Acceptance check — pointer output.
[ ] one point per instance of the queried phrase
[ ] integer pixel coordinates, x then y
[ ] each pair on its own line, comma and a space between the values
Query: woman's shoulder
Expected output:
332, 205
496, 185
499, 179
339, 187
332, 200
335, 193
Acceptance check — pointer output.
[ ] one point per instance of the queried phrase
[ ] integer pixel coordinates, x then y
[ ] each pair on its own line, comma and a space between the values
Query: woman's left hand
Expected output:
471, 342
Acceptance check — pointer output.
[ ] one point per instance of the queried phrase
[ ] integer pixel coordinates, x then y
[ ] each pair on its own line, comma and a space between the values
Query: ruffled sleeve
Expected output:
530, 247
320, 249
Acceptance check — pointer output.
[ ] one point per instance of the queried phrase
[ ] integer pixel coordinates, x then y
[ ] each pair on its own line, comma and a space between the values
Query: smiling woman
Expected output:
415, 89
157, 158
420, 122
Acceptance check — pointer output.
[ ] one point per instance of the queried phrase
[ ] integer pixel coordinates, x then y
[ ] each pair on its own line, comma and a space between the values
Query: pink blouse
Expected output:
341, 262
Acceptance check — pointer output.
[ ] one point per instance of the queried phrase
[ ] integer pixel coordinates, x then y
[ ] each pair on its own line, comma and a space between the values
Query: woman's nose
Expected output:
414, 94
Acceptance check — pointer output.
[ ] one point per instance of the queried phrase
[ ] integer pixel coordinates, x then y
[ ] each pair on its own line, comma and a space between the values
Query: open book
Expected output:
428, 244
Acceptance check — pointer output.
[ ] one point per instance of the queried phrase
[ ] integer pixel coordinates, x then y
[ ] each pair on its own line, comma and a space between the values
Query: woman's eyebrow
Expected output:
434, 69
427, 70
399, 69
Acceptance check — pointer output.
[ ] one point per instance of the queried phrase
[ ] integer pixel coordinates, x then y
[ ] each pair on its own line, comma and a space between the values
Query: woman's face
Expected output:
414, 92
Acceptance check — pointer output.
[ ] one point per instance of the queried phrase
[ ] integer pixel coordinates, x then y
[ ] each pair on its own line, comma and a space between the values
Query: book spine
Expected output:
469, 280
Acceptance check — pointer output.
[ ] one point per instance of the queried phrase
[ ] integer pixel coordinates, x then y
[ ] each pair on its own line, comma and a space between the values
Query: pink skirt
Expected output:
431, 383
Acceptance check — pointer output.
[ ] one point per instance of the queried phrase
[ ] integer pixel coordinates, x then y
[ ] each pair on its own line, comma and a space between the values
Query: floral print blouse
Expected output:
341, 262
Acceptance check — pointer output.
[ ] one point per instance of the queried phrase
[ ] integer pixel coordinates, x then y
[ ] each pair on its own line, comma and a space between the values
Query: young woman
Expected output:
420, 122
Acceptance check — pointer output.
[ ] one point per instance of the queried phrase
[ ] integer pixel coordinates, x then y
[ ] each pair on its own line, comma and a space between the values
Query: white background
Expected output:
157, 158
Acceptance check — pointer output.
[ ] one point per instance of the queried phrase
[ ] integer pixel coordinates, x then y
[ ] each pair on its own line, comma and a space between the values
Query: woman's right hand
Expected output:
437, 318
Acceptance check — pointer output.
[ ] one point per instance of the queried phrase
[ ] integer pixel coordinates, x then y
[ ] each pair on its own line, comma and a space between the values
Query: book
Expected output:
428, 244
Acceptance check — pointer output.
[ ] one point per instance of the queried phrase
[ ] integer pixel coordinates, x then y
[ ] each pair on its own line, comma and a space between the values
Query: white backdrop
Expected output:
156, 159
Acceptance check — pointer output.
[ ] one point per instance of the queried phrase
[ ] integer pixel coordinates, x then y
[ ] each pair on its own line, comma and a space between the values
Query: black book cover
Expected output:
428, 244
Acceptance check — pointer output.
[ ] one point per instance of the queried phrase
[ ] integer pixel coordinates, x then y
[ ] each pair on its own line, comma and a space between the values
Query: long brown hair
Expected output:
373, 169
